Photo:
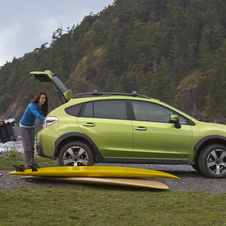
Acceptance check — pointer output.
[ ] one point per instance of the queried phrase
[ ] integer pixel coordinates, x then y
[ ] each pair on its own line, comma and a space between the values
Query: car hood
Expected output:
222, 126
217, 124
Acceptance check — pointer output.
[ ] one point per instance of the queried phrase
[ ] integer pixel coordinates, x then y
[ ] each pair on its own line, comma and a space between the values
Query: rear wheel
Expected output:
212, 161
76, 154
196, 167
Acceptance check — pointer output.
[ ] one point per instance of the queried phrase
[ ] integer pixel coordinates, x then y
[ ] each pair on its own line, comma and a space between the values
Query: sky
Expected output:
27, 24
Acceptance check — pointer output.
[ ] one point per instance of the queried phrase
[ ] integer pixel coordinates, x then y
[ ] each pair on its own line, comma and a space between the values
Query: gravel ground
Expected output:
191, 180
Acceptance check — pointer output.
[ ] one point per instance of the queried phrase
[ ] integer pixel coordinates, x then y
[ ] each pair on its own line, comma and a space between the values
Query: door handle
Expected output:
89, 125
140, 128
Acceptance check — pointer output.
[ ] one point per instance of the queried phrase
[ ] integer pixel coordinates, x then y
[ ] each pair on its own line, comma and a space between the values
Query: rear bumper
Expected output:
41, 153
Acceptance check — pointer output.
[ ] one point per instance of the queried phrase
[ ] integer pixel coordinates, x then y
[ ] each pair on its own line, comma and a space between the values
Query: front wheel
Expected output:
212, 161
76, 154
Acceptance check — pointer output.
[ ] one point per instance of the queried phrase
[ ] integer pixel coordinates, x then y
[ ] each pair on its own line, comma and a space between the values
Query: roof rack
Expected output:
96, 93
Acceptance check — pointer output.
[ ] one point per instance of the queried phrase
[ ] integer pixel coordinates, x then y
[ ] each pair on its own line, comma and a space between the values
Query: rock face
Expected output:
14, 111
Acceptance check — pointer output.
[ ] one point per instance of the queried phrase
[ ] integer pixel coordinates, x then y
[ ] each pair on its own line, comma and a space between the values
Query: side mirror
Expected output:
175, 119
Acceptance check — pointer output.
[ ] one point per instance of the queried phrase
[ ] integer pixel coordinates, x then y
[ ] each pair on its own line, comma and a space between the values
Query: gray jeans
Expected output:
28, 137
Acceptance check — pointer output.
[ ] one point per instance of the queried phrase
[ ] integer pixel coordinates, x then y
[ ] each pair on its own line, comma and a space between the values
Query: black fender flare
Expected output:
75, 134
203, 140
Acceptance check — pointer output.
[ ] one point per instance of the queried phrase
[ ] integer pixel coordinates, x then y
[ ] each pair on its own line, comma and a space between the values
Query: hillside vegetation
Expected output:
172, 50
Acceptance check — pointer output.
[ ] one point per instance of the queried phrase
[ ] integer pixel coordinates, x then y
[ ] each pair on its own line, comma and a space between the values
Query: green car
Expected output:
107, 127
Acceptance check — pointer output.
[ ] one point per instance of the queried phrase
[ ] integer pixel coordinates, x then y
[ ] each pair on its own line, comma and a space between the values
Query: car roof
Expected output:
95, 93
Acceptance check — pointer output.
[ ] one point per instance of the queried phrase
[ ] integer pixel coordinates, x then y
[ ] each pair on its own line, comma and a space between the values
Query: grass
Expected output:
15, 158
104, 205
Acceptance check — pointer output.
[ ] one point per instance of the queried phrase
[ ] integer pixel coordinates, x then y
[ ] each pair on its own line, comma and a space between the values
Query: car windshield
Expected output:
179, 111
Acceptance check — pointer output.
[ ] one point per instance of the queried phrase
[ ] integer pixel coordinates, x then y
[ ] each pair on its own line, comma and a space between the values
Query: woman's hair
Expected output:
45, 105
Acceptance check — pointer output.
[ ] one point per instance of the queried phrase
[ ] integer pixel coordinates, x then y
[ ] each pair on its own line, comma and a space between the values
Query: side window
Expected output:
183, 120
112, 109
88, 111
74, 110
145, 111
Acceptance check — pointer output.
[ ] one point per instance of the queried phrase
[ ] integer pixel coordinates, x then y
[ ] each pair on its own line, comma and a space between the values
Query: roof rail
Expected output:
96, 93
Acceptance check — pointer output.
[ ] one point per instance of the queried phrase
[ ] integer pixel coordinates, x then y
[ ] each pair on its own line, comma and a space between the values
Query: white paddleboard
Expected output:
135, 182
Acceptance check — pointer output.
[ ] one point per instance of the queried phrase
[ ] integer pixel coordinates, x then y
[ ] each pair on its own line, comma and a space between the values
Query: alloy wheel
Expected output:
75, 156
216, 161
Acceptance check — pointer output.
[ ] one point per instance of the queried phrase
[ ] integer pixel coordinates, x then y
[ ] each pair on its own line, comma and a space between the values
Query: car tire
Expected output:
212, 161
76, 154
196, 167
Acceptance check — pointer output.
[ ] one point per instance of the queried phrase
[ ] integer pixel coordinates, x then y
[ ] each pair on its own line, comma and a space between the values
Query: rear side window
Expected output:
74, 110
88, 111
112, 109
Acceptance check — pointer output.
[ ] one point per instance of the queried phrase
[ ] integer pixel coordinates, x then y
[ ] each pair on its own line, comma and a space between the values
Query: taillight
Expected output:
49, 121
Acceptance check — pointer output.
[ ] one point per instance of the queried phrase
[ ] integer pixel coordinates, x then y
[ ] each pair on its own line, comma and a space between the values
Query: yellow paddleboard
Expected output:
135, 182
93, 171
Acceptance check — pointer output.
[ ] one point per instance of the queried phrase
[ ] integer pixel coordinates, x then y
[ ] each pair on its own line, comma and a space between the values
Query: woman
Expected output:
1, 124
38, 108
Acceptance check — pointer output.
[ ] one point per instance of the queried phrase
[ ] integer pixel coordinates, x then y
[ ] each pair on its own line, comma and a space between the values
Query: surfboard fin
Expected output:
19, 168
32, 167
22, 166
35, 165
